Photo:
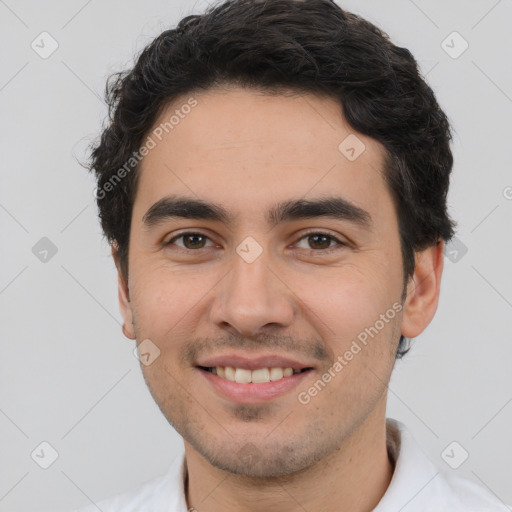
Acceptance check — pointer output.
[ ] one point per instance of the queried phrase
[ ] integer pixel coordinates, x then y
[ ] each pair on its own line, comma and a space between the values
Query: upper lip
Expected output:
252, 363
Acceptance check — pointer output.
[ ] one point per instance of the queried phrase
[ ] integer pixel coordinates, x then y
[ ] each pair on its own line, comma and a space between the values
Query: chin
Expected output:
267, 459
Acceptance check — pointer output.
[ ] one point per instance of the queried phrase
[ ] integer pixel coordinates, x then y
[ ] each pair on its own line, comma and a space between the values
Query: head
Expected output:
273, 180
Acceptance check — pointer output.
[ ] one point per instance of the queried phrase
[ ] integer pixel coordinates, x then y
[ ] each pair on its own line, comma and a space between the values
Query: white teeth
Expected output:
260, 375
229, 373
276, 373
243, 376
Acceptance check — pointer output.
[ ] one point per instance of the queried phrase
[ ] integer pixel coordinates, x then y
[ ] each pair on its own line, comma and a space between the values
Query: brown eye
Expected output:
194, 241
320, 241
190, 241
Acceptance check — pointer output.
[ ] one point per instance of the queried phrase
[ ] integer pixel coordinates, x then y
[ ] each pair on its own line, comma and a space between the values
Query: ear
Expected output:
423, 290
124, 297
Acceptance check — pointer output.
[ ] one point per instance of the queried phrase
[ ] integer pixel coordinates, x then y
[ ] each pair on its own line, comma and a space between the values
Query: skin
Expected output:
248, 151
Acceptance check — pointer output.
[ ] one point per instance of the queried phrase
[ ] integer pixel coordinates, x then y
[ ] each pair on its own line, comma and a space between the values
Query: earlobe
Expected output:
124, 298
423, 290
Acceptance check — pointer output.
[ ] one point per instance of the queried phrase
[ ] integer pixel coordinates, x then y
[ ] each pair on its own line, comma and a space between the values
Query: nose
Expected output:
252, 297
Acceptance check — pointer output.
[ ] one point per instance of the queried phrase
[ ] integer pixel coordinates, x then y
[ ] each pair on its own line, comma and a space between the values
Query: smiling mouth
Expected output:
257, 376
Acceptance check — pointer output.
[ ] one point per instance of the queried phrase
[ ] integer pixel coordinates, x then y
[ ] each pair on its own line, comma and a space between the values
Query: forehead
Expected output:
244, 149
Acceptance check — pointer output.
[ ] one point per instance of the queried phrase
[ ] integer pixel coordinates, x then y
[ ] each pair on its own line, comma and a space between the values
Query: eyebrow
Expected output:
173, 207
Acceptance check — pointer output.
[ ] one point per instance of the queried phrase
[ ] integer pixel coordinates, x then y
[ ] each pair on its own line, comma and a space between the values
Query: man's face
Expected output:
241, 291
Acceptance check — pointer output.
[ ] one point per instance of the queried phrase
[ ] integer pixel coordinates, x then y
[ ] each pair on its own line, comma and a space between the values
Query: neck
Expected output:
352, 478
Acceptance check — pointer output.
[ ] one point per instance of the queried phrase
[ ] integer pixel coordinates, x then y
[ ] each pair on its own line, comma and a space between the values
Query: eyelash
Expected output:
306, 235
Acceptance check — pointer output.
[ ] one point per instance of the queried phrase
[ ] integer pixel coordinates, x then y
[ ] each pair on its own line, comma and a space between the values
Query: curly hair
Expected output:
310, 46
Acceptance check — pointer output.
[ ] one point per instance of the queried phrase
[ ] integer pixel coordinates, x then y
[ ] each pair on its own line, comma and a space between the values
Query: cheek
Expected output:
346, 306
167, 300
345, 296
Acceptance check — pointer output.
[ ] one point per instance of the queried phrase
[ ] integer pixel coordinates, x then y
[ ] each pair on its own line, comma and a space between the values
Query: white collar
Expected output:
416, 486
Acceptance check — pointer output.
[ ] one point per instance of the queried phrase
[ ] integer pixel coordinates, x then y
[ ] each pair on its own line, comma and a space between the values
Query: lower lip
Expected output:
253, 393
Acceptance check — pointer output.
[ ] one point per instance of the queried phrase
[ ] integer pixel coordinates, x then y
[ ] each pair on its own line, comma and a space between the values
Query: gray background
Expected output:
67, 374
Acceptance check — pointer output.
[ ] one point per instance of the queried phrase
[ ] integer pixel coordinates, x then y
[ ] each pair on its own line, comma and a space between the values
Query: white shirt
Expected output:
416, 486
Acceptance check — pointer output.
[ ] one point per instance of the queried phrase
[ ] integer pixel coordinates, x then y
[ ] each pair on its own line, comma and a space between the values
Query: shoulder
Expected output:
463, 495
160, 494
418, 485
132, 500
468, 495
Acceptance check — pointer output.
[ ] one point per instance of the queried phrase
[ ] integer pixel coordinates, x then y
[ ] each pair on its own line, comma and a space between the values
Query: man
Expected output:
273, 183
